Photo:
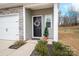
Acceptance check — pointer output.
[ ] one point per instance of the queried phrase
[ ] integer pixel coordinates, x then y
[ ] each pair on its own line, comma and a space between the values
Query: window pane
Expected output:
48, 24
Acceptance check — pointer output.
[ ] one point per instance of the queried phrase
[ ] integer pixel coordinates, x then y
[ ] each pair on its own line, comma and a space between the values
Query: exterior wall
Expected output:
44, 12
28, 24
18, 10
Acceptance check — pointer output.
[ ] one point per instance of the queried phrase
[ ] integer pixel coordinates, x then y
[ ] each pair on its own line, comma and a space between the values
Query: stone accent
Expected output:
18, 10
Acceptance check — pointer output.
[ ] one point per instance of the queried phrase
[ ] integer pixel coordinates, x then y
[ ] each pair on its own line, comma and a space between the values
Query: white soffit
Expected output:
35, 6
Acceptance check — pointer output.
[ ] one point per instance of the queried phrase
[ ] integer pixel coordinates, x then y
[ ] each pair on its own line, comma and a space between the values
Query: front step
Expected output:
50, 41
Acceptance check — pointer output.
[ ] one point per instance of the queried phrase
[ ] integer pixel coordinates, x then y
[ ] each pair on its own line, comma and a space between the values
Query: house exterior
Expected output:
28, 20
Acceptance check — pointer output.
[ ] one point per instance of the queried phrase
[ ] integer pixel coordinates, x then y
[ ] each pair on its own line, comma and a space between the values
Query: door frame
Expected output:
41, 25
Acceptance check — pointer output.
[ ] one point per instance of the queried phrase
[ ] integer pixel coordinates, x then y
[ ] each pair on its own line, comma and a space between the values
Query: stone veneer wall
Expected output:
19, 10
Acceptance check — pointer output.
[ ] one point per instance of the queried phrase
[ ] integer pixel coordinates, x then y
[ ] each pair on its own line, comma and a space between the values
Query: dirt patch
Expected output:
70, 36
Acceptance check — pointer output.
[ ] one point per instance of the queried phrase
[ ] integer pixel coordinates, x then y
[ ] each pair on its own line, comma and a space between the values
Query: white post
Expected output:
55, 23
24, 27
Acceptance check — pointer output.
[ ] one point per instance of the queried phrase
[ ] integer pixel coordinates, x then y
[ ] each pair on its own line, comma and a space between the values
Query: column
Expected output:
55, 22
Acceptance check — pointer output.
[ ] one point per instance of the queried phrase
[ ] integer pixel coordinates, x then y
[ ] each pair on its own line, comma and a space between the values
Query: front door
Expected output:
37, 26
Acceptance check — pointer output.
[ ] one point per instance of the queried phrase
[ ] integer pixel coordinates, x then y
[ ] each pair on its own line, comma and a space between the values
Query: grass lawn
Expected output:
70, 36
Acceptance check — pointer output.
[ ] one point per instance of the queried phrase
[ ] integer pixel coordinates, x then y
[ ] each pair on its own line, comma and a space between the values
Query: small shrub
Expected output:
17, 44
42, 42
41, 48
46, 33
59, 49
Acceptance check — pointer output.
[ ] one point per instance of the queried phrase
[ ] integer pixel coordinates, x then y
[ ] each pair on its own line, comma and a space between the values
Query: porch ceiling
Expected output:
35, 6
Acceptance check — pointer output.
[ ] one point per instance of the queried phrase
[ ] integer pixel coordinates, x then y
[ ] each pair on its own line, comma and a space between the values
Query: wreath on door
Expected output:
37, 23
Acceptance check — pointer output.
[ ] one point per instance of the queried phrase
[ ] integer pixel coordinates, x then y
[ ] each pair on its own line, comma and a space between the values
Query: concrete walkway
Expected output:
25, 50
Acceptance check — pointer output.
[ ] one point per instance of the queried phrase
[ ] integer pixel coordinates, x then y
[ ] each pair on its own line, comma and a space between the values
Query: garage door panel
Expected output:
9, 27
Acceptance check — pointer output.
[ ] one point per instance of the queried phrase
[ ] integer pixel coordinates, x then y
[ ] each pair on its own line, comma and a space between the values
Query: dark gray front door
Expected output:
37, 29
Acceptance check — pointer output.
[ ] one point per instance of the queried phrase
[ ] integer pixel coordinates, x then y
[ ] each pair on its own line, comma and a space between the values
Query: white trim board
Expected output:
24, 23
9, 14
55, 21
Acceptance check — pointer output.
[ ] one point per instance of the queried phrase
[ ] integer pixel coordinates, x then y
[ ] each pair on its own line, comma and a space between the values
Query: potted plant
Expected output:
46, 33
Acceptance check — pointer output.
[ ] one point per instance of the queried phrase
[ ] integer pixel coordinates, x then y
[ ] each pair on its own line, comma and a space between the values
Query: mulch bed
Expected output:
15, 46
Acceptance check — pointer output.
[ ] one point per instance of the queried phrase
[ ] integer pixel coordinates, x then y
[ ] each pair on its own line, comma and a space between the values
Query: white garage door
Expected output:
9, 27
